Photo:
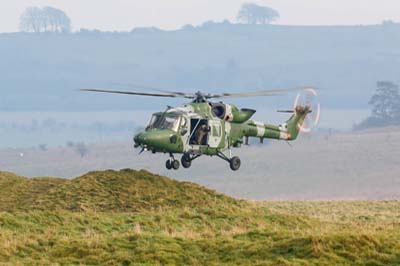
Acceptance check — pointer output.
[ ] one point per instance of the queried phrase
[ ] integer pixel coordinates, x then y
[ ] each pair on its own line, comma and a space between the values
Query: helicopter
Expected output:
205, 127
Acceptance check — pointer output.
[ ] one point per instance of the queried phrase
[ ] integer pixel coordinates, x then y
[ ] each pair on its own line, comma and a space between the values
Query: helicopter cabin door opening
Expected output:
199, 132
205, 132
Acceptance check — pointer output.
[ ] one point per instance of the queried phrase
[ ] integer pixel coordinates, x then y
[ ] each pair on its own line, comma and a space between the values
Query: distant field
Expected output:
137, 218
358, 165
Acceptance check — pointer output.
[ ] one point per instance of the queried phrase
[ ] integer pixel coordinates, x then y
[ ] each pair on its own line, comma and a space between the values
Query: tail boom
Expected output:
286, 131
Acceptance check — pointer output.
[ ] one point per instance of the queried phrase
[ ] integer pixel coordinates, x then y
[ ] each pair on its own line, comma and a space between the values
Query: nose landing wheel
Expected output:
168, 164
172, 164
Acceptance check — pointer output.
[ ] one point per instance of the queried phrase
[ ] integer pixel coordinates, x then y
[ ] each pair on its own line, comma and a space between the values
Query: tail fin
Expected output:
292, 127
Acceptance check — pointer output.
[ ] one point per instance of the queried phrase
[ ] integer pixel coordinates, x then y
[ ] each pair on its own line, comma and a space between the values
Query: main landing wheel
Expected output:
234, 163
186, 161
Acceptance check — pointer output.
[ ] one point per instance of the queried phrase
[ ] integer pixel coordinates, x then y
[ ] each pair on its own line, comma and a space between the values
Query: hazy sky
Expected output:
172, 14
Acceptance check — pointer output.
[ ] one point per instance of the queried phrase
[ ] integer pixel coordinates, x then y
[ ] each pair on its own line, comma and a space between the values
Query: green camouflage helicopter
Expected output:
202, 127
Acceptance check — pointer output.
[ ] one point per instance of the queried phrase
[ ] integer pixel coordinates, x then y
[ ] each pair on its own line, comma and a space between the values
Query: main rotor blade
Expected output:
258, 93
133, 93
178, 93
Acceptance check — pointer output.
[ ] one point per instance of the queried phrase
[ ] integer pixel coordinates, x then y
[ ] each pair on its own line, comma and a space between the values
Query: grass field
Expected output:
136, 218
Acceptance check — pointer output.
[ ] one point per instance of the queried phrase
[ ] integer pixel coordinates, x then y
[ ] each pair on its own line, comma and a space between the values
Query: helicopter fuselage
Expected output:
208, 129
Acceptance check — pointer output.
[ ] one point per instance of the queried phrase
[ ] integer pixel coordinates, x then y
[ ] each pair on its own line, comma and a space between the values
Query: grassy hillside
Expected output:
136, 218
108, 191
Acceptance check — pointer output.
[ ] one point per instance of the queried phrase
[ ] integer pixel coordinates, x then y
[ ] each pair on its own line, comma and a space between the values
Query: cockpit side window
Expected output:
169, 122
165, 121
154, 121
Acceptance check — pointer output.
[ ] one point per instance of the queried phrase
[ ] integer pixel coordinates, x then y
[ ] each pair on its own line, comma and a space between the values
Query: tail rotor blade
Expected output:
286, 111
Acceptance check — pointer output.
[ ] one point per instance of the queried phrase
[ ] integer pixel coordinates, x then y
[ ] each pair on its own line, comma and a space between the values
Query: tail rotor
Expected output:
307, 101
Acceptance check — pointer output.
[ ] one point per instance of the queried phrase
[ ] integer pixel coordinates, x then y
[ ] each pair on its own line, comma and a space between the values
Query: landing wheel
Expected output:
234, 163
168, 165
186, 161
175, 164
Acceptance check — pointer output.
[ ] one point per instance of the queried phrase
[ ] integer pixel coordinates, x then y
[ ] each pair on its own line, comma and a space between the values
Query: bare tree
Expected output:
254, 14
57, 20
81, 148
47, 19
31, 20
43, 147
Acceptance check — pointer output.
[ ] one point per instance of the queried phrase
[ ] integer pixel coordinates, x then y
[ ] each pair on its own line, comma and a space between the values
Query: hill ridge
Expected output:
109, 190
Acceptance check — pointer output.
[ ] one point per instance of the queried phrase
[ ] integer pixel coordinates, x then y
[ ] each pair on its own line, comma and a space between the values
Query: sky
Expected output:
124, 15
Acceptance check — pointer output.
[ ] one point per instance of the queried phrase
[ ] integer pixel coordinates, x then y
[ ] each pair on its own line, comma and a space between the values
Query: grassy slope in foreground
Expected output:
136, 218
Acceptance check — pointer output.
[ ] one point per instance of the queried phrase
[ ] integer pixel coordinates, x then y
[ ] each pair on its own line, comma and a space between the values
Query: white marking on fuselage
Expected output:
261, 124
260, 128
228, 113
227, 133
283, 127
260, 131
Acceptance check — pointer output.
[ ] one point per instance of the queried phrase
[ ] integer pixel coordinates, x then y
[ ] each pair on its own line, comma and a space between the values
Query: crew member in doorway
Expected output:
201, 134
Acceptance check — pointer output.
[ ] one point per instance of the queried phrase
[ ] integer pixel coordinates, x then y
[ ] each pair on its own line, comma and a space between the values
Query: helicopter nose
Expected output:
144, 140
149, 139
159, 140
138, 139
